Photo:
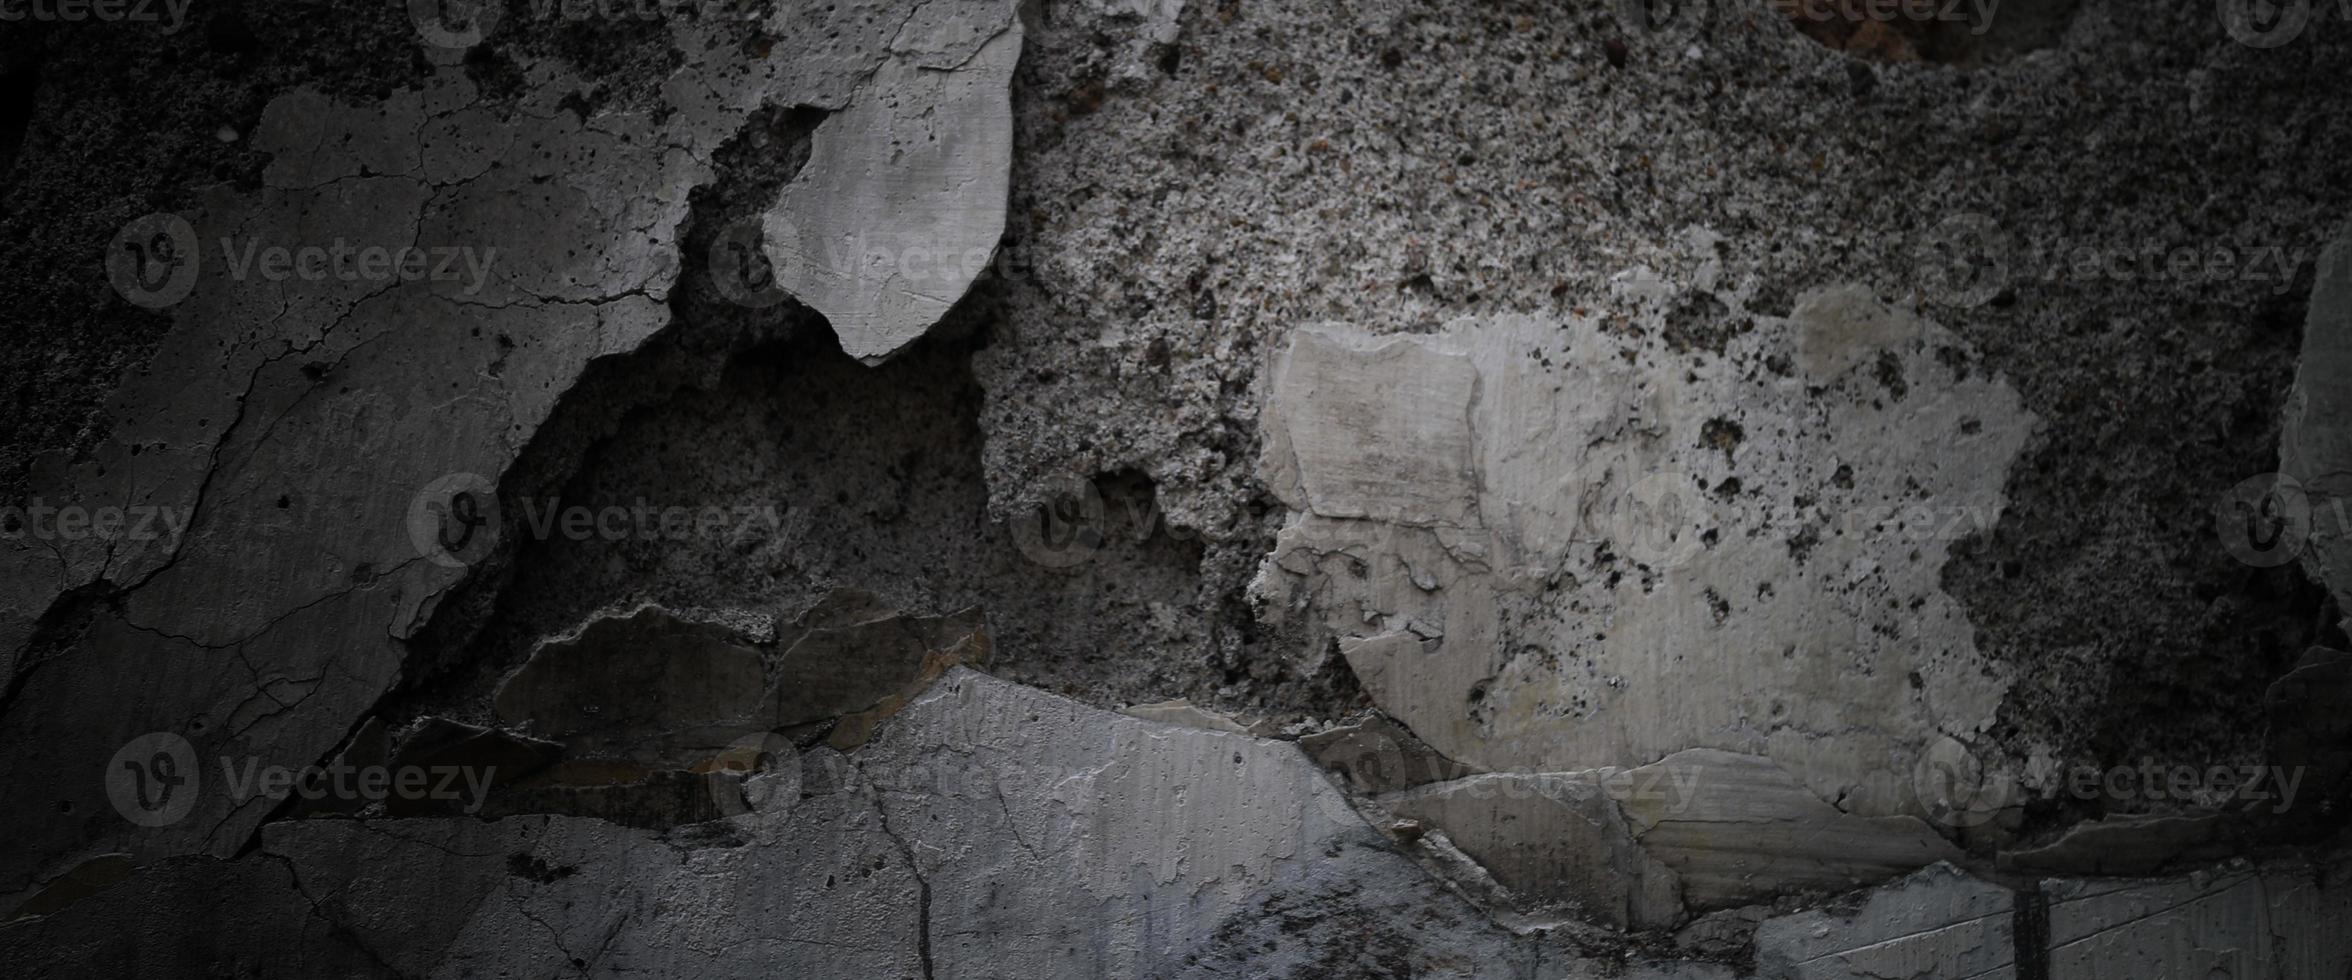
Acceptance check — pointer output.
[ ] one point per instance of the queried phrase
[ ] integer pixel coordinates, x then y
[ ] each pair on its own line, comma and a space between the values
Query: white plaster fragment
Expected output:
903, 199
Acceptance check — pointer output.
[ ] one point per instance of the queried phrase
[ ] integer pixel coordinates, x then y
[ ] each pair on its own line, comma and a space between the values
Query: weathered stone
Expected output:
1546, 583
1184, 852
2284, 920
654, 799
82, 881
1368, 428
1190, 852
314, 434
1155, 26
2311, 728
285, 698
1466, 533
1935, 923
1554, 839
1627, 510
1724, 933
1377, 755
193, 917
861, 674
646, 704
531, 896
646, 686
473, 759
1736, 828
2126, 845
1181, 852
370, 746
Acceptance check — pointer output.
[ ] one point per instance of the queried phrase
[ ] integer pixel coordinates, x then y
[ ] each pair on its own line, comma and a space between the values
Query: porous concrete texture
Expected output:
1073, 488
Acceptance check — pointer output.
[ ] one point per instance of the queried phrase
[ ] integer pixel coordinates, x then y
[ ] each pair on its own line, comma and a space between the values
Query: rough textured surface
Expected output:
299, 420
1553, 839
908, 857
1747, 827
1294, 173
1938, 922
1703, 491
2278, 920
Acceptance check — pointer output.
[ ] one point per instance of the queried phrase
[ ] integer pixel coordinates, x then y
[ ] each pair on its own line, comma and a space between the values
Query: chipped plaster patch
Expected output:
903, 199
1775, 593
